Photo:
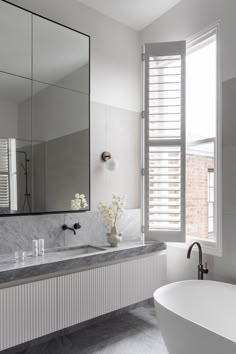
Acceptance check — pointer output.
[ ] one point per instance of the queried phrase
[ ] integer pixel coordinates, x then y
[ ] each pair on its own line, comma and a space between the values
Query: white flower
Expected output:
112, 213
79, 202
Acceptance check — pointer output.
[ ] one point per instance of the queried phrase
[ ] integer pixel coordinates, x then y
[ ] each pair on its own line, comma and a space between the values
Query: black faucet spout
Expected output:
201, 269
65, 227
199, 249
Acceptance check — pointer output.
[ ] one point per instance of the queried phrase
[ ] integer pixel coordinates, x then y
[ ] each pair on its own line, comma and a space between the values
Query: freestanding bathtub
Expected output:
197, 317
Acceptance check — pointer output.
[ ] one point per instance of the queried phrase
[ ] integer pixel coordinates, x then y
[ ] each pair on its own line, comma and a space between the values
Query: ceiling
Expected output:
137, 14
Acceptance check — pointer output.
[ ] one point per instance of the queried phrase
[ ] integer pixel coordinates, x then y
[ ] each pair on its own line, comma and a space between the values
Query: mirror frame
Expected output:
89, 122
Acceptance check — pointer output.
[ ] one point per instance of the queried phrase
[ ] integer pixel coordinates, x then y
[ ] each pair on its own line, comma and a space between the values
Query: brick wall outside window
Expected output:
197, 194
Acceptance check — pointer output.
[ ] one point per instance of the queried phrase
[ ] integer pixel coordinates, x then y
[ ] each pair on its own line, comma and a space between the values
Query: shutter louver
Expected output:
4, 175
165, 141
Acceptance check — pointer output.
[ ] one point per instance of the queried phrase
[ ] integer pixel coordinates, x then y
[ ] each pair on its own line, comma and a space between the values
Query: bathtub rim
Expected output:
171, 285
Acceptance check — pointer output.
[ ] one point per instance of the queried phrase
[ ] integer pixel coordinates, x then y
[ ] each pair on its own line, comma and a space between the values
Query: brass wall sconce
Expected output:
110, 163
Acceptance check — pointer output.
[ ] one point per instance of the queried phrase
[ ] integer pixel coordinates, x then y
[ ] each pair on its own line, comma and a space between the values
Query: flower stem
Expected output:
116, 215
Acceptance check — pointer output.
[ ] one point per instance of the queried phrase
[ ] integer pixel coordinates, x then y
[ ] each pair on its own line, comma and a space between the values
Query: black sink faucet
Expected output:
77, 226
201, 269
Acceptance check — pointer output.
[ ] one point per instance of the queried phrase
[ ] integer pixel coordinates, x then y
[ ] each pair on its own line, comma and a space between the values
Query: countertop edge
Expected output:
76, 263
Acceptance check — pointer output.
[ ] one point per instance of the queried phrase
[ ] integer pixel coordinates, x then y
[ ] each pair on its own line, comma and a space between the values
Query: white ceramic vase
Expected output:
114, 237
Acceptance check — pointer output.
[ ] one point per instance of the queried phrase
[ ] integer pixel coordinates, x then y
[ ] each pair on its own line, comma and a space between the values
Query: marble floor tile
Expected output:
135, 331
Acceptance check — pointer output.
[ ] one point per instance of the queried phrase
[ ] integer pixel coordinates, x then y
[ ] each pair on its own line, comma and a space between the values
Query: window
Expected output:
203, 140
178, 171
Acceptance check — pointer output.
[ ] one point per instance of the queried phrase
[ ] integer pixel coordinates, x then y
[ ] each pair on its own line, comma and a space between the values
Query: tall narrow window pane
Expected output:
201, 90
201, 128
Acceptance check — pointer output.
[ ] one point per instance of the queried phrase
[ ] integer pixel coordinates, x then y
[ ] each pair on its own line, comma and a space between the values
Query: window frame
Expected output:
213, 247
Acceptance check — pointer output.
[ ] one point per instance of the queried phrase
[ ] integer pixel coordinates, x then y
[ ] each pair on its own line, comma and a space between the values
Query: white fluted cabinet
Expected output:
32, 310
88, 294
141, 277
27, 311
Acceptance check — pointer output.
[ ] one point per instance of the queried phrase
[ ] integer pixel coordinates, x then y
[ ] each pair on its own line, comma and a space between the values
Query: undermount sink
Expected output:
76, 251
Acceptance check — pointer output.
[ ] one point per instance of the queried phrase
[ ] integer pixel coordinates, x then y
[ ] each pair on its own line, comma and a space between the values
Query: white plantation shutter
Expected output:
164, 208
4, 175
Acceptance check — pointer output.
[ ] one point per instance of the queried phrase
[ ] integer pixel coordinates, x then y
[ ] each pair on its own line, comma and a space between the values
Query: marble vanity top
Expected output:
62, 262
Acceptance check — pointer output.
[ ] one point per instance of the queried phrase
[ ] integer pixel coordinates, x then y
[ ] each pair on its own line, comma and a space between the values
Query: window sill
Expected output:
208, 246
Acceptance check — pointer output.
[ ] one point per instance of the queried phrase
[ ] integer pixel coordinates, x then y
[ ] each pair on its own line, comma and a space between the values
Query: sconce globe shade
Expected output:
112, 164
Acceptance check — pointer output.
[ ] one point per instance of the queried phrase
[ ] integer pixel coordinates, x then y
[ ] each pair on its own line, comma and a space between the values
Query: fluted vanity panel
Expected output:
141, 277
27, 311
88, 294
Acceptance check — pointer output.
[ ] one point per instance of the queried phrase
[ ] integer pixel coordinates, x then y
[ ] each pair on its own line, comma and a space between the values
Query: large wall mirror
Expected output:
44, 114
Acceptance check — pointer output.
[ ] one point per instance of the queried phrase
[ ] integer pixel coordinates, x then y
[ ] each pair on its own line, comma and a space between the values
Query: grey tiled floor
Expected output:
134, 332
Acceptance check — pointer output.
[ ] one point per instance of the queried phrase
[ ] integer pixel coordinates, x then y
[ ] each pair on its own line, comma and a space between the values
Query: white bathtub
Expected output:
197, 317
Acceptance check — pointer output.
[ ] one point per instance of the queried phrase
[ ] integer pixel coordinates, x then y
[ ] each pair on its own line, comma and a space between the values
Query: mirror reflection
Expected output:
60, 134
15, 40
61, 56
15, 144
44, 119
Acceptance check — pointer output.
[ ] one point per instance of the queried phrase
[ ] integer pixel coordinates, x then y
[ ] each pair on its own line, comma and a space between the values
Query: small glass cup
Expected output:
19, 256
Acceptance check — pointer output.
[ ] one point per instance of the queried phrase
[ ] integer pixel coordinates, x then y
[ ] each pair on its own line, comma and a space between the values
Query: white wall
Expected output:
118, 131
180, 23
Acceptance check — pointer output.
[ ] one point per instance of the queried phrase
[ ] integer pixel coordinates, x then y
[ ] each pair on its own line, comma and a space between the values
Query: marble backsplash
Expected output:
17, 232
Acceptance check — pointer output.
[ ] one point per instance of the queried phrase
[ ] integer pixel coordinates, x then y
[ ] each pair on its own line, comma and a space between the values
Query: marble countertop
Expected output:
57, 262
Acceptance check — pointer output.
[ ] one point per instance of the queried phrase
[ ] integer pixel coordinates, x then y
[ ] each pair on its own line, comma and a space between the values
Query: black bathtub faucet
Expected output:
201, 269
